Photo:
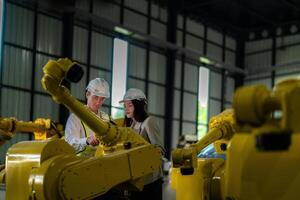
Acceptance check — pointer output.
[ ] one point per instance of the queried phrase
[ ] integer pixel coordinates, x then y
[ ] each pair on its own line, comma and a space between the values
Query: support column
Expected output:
240, 61
273, 61
67, 51
173, 7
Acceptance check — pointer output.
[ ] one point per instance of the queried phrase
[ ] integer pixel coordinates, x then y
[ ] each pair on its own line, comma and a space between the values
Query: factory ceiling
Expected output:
244, 17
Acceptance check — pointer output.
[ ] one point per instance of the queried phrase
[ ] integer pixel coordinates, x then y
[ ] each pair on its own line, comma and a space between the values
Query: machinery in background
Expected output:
50, 169
42, 128
263, 160
193, 177
262, 157
186, 140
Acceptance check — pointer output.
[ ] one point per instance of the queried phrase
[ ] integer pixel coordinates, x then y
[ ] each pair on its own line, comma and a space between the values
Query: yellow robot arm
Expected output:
263, 159
42, 128
202, 178
220, 127
50, 169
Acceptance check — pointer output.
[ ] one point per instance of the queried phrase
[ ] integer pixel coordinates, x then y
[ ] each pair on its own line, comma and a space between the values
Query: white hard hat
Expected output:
99, 87
133, 94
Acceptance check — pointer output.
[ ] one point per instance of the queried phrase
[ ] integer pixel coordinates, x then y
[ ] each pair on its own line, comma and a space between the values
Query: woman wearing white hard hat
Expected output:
137, 117
78, 134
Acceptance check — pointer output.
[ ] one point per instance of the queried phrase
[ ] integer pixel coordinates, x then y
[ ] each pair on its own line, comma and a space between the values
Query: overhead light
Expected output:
122, 30
293, 29
139, 37
205, 60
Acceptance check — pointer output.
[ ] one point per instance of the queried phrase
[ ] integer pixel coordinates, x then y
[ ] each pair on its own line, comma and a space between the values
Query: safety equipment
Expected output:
134, 93
99, 87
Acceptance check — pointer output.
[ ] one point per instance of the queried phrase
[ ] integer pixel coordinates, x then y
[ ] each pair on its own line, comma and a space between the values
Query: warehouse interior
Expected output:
187, 56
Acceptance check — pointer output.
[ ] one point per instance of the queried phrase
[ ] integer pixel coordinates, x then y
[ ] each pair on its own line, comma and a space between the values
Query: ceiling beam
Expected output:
193, 6
291, 4
255, 13
206, 18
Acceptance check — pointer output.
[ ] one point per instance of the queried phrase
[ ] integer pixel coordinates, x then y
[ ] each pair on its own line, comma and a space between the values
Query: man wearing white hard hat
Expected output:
136, 117
78, 134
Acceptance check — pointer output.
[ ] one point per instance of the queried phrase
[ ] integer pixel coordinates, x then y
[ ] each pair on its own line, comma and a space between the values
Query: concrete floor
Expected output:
168, 192
2, 192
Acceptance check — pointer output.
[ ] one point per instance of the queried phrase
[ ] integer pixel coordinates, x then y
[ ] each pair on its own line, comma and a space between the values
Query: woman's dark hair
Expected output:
139, 113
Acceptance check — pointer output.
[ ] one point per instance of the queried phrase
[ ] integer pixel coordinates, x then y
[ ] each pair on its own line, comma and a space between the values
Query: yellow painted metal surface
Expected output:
199, 185
256, 175
24, 156
112, 169
220, 146
119, 122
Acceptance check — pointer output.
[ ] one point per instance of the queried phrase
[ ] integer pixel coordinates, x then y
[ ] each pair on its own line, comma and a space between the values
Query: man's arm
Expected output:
74, 133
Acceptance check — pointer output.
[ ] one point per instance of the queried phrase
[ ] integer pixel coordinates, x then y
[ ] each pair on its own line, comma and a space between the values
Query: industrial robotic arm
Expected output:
202, 178
263, 160
50, 169
220, 127
262, 157
42, 128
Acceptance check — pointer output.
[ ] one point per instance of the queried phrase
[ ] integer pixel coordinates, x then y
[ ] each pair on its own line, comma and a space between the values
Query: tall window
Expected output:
119, 76
203, 88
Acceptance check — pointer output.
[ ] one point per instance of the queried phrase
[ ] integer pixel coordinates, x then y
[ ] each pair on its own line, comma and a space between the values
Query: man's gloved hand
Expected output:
92, 140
